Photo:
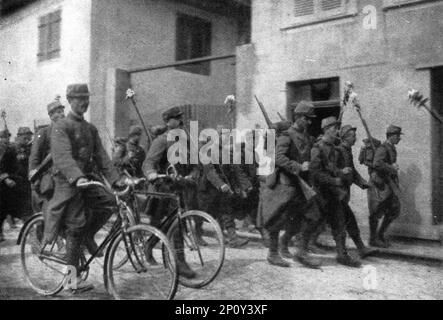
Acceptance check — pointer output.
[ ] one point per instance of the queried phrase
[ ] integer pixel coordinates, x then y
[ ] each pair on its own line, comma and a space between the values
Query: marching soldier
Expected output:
77, 150
383, 198
283, 204
130, 156
8, 185
157, 162
328, 181
351, 176
23, 144
43, 188
220, 186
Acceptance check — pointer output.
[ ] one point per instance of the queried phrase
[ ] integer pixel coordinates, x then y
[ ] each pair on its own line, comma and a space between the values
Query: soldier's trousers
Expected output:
80, 212
381, 205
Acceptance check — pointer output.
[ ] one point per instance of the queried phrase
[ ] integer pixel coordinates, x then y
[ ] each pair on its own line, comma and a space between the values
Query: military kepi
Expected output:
77, 90
345, 129
54, 105
172, 113
305, 108
393, 130
329, 122
22, 131
5, 134
135, 131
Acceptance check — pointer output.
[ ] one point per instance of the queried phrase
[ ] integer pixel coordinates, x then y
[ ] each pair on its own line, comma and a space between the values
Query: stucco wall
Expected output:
381, 63
142, 33
27, 85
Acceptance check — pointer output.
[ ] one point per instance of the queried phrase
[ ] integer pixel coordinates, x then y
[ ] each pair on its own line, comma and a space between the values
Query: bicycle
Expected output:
205, 259
45, 268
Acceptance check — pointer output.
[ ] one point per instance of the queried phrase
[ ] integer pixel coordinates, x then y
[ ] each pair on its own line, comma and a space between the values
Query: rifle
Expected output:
130, 96
307, 190
41, 169
353, 99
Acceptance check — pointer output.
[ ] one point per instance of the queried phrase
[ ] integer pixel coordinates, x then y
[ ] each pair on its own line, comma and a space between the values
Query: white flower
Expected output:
230, 99
130, 93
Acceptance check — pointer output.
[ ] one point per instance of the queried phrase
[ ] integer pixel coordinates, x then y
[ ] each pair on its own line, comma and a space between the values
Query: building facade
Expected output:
115, 45
308, 49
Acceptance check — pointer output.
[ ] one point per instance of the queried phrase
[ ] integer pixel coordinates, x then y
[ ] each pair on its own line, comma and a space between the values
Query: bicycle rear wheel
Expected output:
203, 245
44, 270
145, 278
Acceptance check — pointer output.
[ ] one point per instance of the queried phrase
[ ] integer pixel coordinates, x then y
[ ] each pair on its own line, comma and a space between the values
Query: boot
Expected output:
284, 246
183, 268
274, 257
308, 229
373, 226
362, 250
199, 234
265, 237
381, 233
92, 247
73, 244
233, 240
342, 255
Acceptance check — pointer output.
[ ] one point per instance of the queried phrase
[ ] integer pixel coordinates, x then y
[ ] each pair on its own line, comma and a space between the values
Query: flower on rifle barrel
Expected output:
130, 94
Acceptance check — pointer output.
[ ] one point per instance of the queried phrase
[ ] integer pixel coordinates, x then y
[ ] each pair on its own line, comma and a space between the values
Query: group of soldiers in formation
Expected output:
276, 205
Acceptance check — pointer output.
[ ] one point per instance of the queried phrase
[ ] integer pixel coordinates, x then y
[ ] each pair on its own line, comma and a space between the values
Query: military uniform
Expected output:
328, 182
346, 160
43, 188
130, 156
282, 203
157, 162
8, 194
383, 198
219, 204
23, 150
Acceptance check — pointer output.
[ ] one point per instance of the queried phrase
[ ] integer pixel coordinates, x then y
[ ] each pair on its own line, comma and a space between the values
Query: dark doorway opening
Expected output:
437, 145
324, 94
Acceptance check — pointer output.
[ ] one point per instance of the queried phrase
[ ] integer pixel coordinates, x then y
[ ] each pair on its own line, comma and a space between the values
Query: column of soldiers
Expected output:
277, 202
15, 189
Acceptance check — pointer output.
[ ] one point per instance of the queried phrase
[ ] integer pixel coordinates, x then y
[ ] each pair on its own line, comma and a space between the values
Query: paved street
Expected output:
246, 275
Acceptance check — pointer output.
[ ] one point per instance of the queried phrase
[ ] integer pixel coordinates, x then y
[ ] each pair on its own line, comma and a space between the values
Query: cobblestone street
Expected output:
246, 275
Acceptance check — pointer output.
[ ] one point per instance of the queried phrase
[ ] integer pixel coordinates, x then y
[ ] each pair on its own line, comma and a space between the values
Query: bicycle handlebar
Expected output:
99, 184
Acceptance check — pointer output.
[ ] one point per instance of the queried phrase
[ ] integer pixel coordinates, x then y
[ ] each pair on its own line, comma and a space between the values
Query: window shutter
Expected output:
330, 4
303, 7
42, 36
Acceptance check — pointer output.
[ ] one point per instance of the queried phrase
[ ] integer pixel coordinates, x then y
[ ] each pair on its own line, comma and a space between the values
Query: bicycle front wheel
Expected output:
203, 247
146, 277
44, 268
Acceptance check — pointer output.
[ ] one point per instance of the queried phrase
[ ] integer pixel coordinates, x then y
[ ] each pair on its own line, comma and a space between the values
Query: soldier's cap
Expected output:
345, 129
5, 134
120, 140
329, 122
77, 90
305, 108
22, 131
281, 125
172, 113
54, 105
135, 131
393, 130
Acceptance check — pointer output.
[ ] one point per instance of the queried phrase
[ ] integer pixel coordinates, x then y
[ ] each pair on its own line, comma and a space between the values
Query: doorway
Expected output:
437, 145
324, 95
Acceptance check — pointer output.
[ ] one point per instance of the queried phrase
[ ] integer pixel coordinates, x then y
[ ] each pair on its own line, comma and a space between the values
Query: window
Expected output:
324, 94
302, 12
193, 41
49, 36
